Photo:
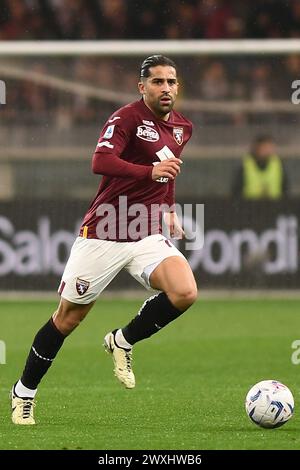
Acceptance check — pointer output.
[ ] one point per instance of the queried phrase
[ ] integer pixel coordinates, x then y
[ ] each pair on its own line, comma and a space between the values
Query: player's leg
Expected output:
43, 351
91, 267
174, 277
69, 315
159, 265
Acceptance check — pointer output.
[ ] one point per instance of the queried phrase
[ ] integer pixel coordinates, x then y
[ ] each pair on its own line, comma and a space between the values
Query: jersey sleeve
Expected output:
114, 138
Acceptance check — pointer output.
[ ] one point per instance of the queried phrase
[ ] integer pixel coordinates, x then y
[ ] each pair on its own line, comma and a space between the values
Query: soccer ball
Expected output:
269, 404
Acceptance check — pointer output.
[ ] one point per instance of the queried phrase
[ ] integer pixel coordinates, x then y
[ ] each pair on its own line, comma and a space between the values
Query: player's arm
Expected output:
106, 159
170, 217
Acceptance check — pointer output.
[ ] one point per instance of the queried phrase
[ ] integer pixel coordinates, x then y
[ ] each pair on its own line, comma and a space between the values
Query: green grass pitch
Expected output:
192, 378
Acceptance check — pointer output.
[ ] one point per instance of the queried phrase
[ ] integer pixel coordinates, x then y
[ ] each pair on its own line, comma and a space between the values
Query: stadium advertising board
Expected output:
245, 245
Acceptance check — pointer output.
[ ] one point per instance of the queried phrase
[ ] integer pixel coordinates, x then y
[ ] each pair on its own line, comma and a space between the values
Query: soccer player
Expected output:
138, 153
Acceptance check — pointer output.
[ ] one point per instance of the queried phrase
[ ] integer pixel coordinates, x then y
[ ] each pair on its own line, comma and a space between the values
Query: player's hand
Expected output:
166, 169
173, 225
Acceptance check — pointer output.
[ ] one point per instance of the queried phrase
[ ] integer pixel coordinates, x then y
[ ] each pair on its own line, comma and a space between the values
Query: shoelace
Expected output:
128, 356
27, 407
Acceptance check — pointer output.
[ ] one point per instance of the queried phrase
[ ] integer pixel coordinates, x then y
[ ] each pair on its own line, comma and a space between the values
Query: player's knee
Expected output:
67, 320
65, 325
185, 297
70, 323
189, 296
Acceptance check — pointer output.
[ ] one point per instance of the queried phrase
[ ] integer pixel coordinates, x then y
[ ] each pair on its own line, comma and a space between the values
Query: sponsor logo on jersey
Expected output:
178, 135
147, 133
148, 123
114, 119
82, 286
109, 132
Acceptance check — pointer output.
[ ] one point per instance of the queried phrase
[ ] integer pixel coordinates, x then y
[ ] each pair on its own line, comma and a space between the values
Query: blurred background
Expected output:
243, 161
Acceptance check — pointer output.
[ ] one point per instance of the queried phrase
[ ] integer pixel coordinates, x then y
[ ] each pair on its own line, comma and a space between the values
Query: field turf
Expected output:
192, 378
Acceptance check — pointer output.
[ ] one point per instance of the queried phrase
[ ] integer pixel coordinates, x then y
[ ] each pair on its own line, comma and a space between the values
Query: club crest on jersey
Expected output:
178, 135
147, 133
82, 286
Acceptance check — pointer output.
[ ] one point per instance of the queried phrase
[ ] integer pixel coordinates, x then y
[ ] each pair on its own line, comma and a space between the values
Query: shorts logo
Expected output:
82, 286
147, 133
178, 135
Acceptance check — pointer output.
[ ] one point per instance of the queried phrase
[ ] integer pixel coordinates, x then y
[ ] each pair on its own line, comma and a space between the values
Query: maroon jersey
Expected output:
132, 140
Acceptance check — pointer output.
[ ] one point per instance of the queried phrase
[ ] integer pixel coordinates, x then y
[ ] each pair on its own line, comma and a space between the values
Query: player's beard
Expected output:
164, 108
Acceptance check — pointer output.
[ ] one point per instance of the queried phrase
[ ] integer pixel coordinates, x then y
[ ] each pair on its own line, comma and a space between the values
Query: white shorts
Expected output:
94, 263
